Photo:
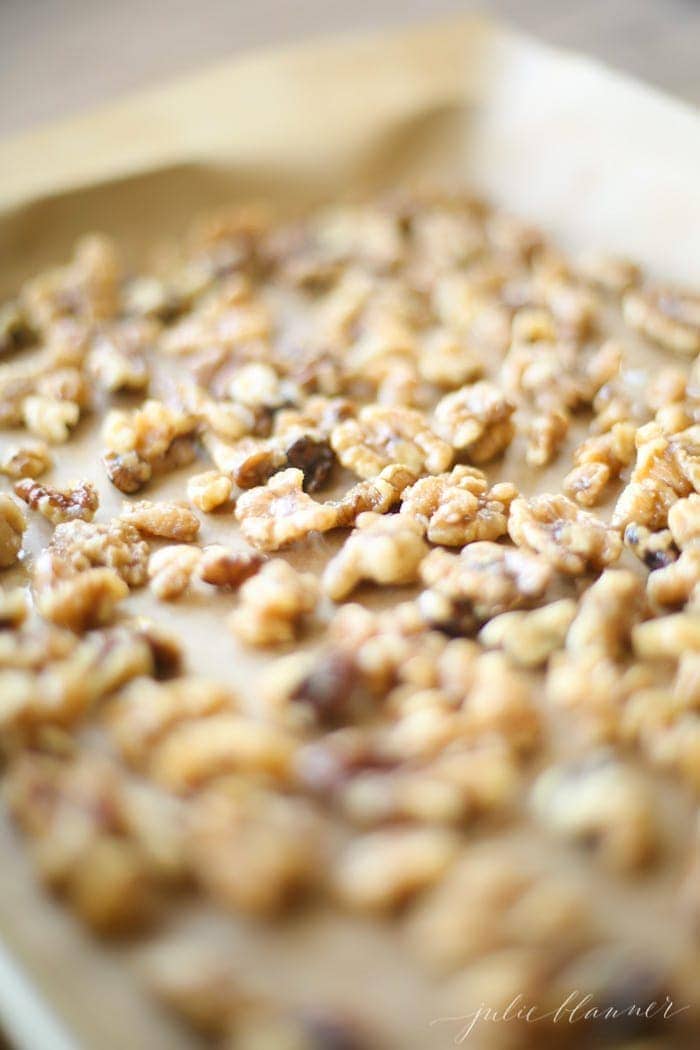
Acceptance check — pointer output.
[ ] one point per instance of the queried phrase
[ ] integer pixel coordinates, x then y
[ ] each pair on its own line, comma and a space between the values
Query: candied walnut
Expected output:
668, 637
50, 418
82, 601
384, 869
116, 359
573, 541
546, 434
194, 752
252, 850
127, 471
382, 548
150, 439
209, 490
530, 638
382, 436
197, 982
169, 521
227, 568
76, 502
273, 604
250, 462
447, 360
607, 613
476, 421
494, 897
603, 804
12, 526
612, 273
654, 549
78, 546
171, 569
674, 585
684, 521
257, 385
144, 712
13, 607
25, 461
280, 512
485, 579
666, 469
598, 460
459, 507
668, 317
379, 495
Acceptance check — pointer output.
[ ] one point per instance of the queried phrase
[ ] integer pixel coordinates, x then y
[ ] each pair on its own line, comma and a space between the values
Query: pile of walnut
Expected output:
380, 372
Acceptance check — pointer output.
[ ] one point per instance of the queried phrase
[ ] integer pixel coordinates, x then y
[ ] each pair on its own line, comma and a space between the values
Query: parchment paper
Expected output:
592, 156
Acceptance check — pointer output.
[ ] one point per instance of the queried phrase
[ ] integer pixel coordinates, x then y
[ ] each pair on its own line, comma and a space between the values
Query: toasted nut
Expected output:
384, 869
168, 521
383, 548
209, 490
273, 604
228, 568
171, 569
382, 436
12, 526
476, 421
280, 512
25, 461
668, 637
49, 418
83, 601
573, 540
459, 507
77, 502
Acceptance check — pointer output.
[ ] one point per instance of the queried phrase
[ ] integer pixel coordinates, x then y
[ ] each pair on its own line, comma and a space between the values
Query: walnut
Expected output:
127, 471
530, 638
169, 521
144, 712
546, 434
194, 752
484, 580
280, 512
254, 851
76, 502
666, 469
674, 585
654, 549
13, 607
603, 804
459, 507
170, 570
116, 359
79, 546
380, 494
86, 600
612, 273
384, 869
573, 541
50, 418
273, 603
598, 460
150, 439
227, 568
476, 421
684, 521
209, 490
25, 461
667, 637
607, 613
12, 526
382, 548
447, 360
667, 317
258, 385
382, 436
492, 897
